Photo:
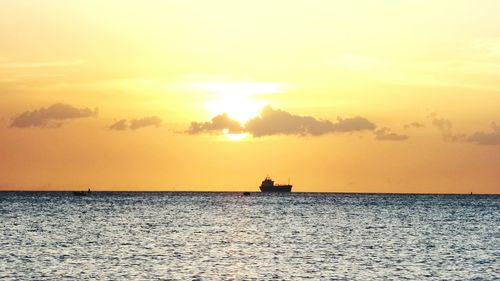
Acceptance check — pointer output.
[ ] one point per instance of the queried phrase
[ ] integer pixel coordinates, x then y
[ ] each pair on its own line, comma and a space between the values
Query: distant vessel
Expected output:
81, 193
269, 186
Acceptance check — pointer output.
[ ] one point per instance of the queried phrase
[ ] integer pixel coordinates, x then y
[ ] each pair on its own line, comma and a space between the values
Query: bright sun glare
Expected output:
240, 108
234, 137
237, 100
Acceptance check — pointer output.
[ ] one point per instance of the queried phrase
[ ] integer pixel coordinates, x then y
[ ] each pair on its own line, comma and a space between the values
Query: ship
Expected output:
81, 193
269, 186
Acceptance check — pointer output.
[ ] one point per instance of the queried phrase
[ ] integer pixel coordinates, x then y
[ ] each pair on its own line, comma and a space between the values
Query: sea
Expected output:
229, 236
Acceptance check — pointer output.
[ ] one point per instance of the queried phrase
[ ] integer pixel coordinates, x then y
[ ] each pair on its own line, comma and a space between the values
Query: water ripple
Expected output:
227, 236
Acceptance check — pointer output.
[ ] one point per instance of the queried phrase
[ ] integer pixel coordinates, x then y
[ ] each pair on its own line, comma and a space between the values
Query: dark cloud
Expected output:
486, 138
353, 124
216, 126
135, 124
276, 122
414, 125
279, 122
145, 122
385, 134
50, 117
120, 125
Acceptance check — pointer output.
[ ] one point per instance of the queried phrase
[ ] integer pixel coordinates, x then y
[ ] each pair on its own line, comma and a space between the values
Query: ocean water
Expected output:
228, 236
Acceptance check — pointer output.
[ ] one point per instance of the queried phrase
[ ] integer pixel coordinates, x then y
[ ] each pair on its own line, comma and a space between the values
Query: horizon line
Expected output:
233, 191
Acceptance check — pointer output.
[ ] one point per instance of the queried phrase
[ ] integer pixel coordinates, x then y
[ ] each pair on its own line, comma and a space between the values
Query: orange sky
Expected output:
358, 96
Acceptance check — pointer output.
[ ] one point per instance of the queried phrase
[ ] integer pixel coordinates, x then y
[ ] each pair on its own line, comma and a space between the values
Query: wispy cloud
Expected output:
416, 125
40, 64
445, 126
241, 88
486, 138
474, 65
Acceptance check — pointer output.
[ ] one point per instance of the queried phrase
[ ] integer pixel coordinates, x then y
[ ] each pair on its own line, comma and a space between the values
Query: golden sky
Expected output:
339, 96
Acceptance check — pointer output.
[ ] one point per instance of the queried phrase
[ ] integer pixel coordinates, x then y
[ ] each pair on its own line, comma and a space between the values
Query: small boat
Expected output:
269, 186
81, 193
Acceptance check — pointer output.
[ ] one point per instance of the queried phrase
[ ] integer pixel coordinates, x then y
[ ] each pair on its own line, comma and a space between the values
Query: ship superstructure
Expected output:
269, 186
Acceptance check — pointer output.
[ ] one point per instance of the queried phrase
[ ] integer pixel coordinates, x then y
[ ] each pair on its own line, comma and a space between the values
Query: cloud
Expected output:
473, 65
486, 138
275, 122
479, 137
43, 64
279, 122
49, 117
134, 124
242, 88
120, 125
385, 134
353, 124
442, 124
217, 125
414, 125
145, 122
446, 128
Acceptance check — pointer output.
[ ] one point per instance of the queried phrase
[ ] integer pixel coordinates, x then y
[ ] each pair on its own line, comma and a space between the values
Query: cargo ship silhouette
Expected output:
269, 186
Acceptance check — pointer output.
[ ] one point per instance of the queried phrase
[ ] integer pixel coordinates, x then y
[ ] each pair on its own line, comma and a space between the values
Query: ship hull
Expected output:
284, 188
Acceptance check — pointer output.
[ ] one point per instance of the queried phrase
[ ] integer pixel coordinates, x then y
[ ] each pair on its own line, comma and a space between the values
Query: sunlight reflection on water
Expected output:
221, 236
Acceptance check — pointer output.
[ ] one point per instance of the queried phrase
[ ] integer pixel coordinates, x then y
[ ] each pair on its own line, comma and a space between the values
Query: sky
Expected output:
337, 96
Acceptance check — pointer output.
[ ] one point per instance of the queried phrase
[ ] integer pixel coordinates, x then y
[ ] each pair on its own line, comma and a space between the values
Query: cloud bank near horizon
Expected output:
273, 122
279, 122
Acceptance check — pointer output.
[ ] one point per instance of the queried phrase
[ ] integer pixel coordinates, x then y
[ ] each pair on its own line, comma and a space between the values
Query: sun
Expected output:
237, 99
239, 108
234, 137
241, 101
